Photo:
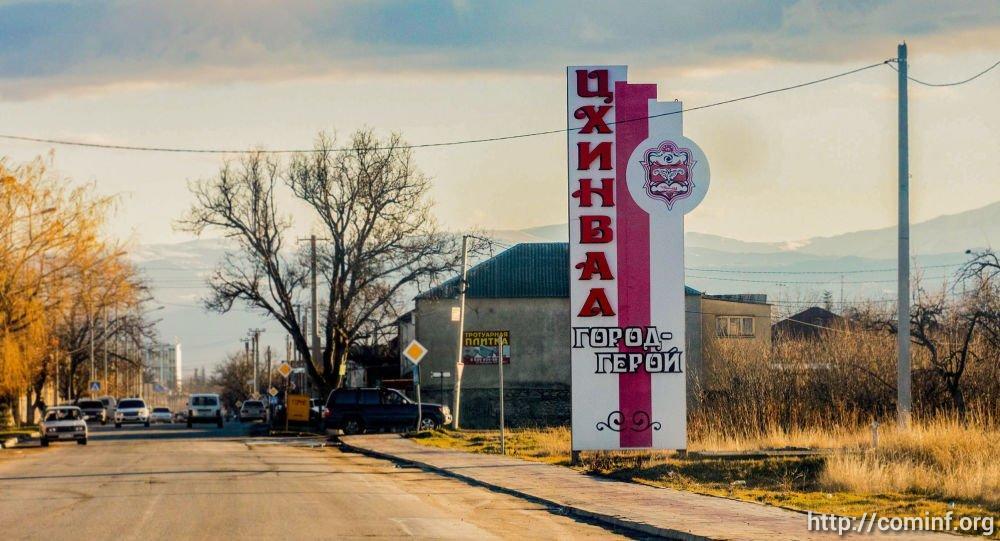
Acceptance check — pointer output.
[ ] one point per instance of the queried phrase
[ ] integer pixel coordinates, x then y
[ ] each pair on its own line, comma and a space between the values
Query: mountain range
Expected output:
794, 274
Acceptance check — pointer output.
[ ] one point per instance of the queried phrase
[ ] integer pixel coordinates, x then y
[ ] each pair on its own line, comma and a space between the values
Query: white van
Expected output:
110, 404
204, 408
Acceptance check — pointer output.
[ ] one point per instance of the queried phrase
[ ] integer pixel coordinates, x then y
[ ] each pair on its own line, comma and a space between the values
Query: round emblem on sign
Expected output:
667, 174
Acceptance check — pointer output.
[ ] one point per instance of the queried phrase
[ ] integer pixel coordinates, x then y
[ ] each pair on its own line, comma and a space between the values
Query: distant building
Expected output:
165, 361
808, 324
525, 290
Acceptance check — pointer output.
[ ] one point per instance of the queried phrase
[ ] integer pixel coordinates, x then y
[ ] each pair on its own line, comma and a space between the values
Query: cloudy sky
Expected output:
241, 74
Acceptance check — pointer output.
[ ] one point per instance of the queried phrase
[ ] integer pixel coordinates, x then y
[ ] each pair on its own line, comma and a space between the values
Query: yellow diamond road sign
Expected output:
414, 352
284, 369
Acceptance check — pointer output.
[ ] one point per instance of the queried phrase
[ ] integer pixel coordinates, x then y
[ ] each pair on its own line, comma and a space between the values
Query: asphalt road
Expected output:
169, 482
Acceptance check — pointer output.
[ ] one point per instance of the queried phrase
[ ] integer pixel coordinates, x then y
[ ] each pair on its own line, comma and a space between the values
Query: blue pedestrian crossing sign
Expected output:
95, 386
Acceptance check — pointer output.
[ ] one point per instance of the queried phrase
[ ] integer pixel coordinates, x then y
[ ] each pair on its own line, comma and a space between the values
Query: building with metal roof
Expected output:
524, 290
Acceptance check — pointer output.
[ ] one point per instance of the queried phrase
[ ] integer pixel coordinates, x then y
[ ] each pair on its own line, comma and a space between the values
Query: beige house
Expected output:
525, 290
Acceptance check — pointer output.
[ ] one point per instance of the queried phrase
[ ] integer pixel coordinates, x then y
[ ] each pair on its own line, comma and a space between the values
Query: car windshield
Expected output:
253, 404
62, 415
161, 410
91, 404
203, 401
131, 404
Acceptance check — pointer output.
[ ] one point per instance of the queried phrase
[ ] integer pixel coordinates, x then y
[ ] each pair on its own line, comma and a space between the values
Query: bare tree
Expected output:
380, 240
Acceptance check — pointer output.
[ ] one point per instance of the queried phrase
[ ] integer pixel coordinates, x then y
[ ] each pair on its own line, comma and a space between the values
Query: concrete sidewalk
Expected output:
658, 511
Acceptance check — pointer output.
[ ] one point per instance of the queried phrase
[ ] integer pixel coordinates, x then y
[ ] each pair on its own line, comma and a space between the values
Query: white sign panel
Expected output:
632, 177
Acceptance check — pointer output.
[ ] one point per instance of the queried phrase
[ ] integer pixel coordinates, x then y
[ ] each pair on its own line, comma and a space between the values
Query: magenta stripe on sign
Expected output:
634, 389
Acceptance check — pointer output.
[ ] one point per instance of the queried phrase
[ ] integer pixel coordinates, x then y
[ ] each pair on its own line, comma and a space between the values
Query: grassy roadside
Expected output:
23, 431
827, 483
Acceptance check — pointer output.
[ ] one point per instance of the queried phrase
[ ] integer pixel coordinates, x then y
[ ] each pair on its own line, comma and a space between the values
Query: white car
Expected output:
204, 408
63, 423
131, 410
253, 410
161, 415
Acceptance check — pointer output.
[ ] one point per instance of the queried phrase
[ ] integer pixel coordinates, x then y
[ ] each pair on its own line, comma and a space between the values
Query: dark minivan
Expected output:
356, 410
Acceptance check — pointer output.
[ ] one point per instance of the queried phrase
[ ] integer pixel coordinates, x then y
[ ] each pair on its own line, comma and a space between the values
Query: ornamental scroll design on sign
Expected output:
641, 422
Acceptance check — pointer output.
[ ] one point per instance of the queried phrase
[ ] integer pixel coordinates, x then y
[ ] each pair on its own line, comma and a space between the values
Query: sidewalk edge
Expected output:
640, 527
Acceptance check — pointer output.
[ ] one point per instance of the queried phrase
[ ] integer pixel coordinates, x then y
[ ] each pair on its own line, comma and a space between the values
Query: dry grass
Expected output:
943, 459
934, 467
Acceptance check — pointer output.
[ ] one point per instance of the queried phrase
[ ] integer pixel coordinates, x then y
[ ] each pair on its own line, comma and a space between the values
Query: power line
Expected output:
737, 271
956, 83
139, 148
832, 280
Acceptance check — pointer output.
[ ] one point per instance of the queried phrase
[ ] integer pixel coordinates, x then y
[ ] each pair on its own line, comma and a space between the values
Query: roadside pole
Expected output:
91, 333
414, 352
107, 325
903, 376
420, 406
503, 446
314, 308
462, 284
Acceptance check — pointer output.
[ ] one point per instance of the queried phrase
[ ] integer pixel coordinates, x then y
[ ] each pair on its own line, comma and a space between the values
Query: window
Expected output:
370, 397
204, 401
126, 404
345, 397
734, 326
393, 397
63, 414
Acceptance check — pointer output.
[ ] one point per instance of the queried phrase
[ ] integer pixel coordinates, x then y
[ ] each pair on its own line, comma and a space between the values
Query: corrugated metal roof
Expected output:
526, 270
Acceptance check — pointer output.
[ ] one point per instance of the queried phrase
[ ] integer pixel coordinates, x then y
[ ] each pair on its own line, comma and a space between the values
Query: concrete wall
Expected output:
537, 379
712, 342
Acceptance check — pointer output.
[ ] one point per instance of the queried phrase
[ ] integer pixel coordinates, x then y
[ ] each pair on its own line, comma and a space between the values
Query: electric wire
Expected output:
140, 148
955, 83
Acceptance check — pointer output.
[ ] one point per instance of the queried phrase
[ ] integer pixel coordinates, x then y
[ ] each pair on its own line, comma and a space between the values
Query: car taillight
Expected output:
326, 412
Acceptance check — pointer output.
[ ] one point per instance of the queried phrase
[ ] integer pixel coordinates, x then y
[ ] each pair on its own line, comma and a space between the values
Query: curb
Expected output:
611, 520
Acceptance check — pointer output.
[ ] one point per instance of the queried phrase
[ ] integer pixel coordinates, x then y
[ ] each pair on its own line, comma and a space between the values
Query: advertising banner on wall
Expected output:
632, 177
480, 347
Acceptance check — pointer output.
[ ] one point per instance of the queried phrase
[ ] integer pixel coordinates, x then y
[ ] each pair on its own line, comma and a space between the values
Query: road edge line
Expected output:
639, 527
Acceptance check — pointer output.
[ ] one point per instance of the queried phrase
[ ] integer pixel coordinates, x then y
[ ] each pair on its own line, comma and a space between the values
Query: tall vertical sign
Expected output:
632, 177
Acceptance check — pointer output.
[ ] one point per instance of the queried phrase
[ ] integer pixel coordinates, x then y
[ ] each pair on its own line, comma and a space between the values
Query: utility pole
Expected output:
246, 352
462, 284
91, 333
255, 338
315, 306
268, 356
107, 327
903, 375
842, 305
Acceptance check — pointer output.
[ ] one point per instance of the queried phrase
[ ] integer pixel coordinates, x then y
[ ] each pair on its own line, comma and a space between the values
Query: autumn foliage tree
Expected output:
54, 264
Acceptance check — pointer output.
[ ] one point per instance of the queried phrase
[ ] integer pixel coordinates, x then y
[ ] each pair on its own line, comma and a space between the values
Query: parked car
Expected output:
131, 411
180, 416
93, 410
204, 408
161, 415
253, 410
355, 410
63, 423
110, 404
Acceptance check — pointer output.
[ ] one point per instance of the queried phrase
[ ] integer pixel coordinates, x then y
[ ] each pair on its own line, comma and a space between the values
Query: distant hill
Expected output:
793, 273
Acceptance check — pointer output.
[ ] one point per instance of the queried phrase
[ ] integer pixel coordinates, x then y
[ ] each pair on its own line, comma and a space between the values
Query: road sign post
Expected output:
500, 341
285, 370
414, 353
